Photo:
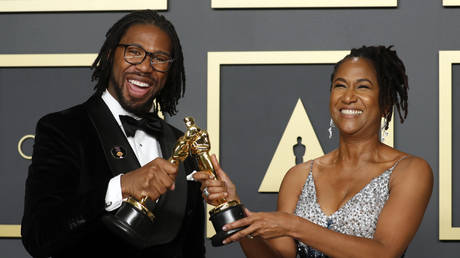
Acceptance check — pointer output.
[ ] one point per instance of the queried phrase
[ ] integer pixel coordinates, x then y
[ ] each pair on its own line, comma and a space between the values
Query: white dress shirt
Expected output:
145, 147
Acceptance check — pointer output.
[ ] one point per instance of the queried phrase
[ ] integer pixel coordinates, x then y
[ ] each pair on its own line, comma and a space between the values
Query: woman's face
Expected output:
354, 101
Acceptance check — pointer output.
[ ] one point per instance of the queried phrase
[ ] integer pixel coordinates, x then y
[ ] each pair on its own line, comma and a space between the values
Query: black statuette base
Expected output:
223, 217
130, 224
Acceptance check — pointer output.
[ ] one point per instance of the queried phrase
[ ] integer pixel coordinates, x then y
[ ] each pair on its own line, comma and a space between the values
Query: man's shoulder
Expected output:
75, 118
69, 115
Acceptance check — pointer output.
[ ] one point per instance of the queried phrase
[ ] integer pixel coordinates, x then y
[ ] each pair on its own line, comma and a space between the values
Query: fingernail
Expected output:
224, 228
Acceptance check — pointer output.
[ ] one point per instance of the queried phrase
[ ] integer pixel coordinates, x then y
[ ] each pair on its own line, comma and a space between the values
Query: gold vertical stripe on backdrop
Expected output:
446, 230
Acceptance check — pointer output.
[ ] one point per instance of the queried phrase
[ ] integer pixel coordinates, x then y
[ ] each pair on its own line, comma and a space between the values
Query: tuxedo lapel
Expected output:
118, 153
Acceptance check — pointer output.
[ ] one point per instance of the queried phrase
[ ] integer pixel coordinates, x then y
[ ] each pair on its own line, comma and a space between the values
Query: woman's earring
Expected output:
331, 125
383, 131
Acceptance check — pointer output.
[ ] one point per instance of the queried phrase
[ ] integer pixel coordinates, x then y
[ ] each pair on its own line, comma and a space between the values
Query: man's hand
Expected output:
152, 180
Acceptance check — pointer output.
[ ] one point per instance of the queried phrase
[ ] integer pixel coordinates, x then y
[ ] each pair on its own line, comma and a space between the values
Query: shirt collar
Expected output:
115, 107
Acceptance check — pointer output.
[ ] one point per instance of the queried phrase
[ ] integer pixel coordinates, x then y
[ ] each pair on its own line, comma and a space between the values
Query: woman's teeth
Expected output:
351, 111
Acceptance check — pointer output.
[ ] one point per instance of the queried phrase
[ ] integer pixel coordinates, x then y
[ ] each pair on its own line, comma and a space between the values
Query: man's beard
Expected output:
138, 109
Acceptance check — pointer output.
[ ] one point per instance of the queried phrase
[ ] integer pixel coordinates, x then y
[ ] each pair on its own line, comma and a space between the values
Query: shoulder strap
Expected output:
397, 162
311, 166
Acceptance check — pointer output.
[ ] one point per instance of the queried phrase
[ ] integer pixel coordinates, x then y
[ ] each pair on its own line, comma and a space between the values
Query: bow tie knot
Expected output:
151, 125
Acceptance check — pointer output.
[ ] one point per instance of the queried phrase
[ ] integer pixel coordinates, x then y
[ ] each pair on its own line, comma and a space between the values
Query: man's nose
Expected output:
145, 66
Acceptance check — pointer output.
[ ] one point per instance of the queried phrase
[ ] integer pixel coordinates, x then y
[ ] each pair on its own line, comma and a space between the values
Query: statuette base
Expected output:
224, 216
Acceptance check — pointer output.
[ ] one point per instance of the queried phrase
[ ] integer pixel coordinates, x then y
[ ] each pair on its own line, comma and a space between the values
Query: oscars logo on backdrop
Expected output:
299, 150
299, 127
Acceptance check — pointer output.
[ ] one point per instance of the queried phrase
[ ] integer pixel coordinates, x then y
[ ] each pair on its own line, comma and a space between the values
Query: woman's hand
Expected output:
215, 190
262, 224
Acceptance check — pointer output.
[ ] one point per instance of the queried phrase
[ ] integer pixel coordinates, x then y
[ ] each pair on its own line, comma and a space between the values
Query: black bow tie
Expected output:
151, 125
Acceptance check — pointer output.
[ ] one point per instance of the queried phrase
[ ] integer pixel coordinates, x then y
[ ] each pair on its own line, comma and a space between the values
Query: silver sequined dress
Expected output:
357, 217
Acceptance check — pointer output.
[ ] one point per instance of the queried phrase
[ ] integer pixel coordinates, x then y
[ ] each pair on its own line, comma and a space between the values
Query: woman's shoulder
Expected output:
295, 178
412, 169
292, 185
408, 162
298, 171
297, 175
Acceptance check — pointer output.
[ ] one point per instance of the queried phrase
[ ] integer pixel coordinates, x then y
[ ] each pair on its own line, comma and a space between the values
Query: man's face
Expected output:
135, 86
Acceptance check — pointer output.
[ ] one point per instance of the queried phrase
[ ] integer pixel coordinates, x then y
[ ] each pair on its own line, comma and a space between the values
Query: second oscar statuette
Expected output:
227, 211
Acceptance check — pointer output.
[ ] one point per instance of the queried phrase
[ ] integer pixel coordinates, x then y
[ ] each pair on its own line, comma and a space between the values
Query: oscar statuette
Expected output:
226, 211
134, 220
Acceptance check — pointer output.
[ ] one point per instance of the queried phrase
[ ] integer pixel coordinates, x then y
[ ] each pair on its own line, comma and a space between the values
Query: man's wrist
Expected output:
113, 196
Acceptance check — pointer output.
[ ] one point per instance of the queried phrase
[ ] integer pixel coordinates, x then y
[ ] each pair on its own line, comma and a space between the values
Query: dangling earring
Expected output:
383, 131
331, 125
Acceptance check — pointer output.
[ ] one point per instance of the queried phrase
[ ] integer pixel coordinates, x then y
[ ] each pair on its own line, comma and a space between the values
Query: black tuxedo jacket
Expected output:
68, 179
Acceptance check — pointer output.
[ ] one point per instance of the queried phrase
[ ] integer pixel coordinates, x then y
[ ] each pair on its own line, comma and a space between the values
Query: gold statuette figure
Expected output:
226, 211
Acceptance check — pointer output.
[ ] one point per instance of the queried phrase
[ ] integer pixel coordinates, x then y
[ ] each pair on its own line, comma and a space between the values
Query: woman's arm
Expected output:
410, 191
274, 240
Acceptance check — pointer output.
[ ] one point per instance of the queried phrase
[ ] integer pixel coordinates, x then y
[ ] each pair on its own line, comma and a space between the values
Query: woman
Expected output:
363, 199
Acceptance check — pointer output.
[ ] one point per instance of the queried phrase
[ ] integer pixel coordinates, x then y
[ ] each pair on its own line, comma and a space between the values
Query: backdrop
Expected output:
256, 99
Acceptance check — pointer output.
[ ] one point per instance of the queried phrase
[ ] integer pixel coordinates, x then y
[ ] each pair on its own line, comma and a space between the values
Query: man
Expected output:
86, 159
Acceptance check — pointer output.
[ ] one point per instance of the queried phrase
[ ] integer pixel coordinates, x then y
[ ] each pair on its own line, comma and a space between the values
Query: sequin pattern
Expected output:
357, 217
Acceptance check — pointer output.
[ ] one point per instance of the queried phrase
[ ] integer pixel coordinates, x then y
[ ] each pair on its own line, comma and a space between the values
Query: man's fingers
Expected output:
164, 165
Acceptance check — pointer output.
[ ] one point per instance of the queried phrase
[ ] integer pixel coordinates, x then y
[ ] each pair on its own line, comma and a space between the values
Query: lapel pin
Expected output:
118, 152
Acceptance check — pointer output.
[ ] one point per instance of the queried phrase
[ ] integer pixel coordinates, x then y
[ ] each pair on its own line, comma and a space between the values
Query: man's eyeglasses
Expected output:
136, 54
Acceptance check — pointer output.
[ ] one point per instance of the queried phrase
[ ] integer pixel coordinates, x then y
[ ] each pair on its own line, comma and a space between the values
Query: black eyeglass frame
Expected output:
153, 60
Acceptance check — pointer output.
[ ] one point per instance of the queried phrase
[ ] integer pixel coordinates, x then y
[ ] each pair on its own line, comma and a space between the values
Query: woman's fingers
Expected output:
215, 193
219, 171
214, 186
239, 223
248, 213
202, 176
249, 232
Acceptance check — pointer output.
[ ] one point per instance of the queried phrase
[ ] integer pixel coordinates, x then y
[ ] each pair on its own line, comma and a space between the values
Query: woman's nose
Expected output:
349, 96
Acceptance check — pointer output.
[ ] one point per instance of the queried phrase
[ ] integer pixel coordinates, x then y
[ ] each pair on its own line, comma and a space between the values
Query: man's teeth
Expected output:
351, 111
139, 83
